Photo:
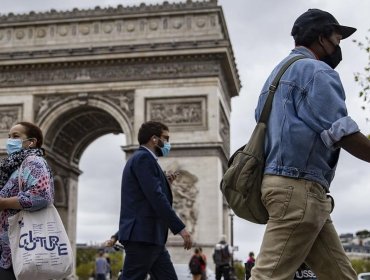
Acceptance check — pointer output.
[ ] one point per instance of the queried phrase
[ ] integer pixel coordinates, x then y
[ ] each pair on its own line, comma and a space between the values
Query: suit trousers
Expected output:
299, 230
145, 258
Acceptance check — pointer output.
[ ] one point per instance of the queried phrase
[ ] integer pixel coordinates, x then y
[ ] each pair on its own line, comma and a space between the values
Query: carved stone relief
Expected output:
180, 113
44, 104
97, 30
125, 100
9, 115
185, 194
110, 72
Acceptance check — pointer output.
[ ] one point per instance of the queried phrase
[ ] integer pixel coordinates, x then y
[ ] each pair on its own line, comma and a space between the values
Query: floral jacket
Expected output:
37, 192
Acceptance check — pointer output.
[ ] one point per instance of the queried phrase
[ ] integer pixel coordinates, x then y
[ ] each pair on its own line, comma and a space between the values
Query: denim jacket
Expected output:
307, 119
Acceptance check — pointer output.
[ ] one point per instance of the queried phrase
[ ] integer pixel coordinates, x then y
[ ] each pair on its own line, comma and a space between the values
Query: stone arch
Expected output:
178, 58
59, 105
59, 192
70, 125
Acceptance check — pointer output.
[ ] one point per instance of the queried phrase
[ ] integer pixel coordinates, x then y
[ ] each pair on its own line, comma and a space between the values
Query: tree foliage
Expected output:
361, 265
363, 78
363, 233
85, 262
239, 270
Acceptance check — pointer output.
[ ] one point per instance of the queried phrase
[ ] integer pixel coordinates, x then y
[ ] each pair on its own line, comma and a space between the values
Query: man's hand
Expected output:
171, 176
110, 242
188, 243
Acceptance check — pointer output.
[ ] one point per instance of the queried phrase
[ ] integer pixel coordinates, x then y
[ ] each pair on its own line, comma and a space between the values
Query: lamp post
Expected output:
231, 214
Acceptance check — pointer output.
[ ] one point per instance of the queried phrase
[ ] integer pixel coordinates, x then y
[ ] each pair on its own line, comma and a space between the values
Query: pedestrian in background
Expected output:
249, 265
222, 257
204, 265
195, 264
101, 266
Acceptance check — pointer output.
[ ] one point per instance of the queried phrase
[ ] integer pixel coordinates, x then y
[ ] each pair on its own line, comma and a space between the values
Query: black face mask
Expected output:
333, 59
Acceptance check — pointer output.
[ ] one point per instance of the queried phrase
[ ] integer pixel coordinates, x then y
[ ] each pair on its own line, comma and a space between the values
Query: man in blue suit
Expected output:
146, 209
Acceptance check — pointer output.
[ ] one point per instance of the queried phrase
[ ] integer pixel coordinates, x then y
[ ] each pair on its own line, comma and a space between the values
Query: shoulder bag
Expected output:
241, 183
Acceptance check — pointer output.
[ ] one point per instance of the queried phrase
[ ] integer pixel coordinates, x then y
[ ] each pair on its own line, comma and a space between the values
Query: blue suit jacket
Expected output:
146, 202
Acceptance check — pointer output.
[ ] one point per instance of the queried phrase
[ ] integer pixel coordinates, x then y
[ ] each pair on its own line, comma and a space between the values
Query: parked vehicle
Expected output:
364, 276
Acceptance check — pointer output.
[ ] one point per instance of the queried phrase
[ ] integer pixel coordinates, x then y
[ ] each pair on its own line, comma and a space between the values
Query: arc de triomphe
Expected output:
81, 74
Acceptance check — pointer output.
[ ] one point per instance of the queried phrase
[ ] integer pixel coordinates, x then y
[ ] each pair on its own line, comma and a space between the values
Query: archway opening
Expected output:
84, 151
99, 189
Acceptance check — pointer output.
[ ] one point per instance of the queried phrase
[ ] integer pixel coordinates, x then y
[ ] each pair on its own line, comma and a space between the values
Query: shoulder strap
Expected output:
268, 104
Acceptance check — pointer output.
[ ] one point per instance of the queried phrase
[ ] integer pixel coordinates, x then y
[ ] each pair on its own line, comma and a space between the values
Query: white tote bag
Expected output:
39, 245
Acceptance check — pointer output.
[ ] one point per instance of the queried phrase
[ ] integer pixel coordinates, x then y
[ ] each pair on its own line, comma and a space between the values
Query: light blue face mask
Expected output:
165, 149
13, 145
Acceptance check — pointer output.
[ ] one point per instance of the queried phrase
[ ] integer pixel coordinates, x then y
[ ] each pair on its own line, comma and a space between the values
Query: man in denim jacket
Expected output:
307, 127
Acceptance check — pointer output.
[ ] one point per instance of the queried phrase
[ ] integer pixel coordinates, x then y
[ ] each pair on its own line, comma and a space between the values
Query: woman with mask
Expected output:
25, 164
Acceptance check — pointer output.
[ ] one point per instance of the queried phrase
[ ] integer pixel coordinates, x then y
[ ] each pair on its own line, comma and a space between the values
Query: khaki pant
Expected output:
299, 230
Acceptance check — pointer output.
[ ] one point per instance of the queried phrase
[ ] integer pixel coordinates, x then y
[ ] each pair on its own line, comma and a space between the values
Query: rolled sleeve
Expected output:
340, 128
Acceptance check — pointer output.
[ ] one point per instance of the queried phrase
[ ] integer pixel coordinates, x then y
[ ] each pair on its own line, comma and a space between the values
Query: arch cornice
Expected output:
192, 65
98, 12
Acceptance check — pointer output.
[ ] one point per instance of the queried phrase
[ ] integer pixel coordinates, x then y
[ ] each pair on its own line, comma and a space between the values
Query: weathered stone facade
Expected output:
85, 73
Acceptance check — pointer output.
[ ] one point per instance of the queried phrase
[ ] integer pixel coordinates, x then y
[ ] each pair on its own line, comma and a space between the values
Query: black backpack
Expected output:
195, 265
221, 255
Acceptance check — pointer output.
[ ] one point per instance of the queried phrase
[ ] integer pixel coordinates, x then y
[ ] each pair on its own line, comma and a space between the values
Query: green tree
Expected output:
239, 270
85, 270
116, 261
361, 265
363, 78
85, 262
363, 234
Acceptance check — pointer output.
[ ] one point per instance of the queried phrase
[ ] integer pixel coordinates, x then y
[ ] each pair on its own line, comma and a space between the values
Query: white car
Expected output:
364, 276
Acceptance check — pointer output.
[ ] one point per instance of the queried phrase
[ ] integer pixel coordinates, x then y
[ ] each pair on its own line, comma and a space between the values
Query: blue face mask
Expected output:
165, 149
13, 145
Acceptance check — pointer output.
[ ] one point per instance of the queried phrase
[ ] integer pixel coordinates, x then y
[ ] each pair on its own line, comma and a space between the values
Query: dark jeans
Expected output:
100, 276
7, 274
223, 270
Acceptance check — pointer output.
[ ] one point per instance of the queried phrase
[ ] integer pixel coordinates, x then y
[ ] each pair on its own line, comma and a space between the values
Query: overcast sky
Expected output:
260, 34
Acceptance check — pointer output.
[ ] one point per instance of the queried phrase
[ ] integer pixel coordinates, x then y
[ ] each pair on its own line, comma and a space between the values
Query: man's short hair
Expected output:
305, 37
148, 129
